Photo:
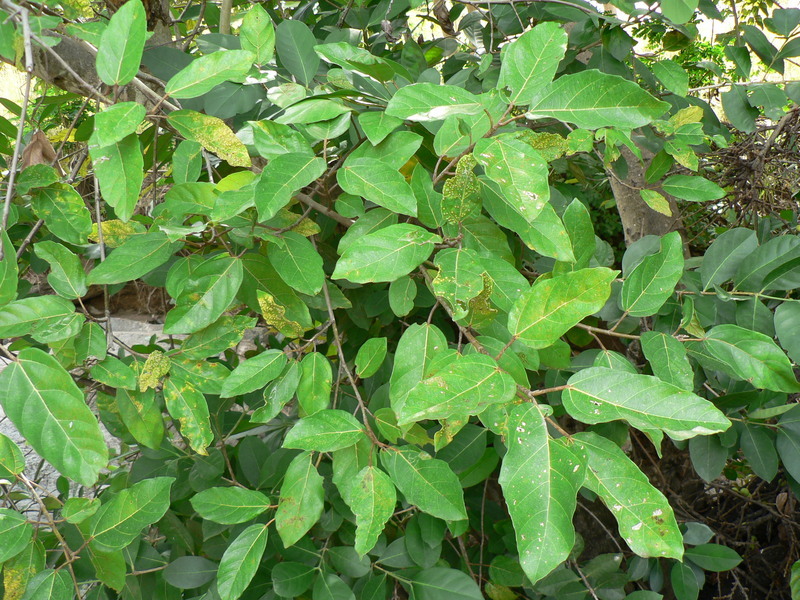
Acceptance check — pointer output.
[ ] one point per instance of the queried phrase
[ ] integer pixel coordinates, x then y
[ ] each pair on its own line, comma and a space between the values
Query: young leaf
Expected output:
432, 102
49, 410
531, 61
645, 518
122, 44
189, 407
652, 282
540, 478
325, 431
591, 100
254, 373
302, 499
466, 386
240, 562
295, 45
378, 182
298, 263
385, 255
370, 357
230, 505
600, 395
316, 378
372, 500
120, 520
205, 73
553, 306
427, 482
258, 34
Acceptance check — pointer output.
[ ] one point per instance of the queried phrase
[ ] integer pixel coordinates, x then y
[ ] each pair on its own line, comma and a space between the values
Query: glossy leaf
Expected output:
302, 499
230, 505
553, 306
667, 358
325, 431
378, 182
49, 410
540, 478
281, 178
431, 102
64, 212
370, 357
427, 482
372, 500
653, 281
240, 562
137, 256
254, 373
531, 61
122, 44
205, 73
600, 395
120, 520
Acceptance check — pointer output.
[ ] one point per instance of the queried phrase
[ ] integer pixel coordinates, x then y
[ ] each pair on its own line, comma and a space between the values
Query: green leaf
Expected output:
378, 182
749, 356
459, 280
298, 263
402, 292
189, 572
224, 333
370, 357
258, 34
386, 254
330, 587
678, 11
187, 161
206, 295
240, 562
653, 281
765, 265
137, 256
762, 47
230, 505
671, 74
114, 373
20, 570
540, 478
121, 520
49, 410
377, 125
77, 510
726, 253
787, 323
189, 407
667, 358
15, 533
206, 72
426, 482
416, 350
325, 431
281, 178
64, 212
254, 373
116, 122
684, 582
66, 277
314, 389
758, 446
713, 557
591, 100
212, 133
553, 306
531, 61
465, 386
600, 395
50, 585
302, 500
295, 45
519, 170
432, 102
278, 393
440, 582
693, 188
372, 500
122, 44
46, 318
645, 518
353, 58
119, 171
9, 271
141, 414
291, 579
12, 462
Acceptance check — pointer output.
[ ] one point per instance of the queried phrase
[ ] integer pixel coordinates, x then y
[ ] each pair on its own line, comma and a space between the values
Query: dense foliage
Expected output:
409, 210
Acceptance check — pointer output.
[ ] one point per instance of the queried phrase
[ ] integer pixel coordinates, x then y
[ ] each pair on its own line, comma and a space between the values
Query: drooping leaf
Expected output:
466, 386
325, 431
240, 562
372, 500
600, 395
49, 410
119, 172
189, 407
302, 499
540, 478
122, 44
427, 482
120, 520
254, 373
386, 254
645, 518
553, 306
591, 100
652, 282
531, 61
205, 73
230, 505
